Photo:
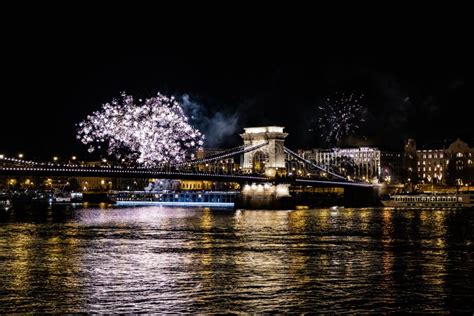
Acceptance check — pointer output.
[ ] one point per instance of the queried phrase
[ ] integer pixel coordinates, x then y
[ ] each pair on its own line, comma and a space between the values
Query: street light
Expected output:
20, 156
55, 158
74, 157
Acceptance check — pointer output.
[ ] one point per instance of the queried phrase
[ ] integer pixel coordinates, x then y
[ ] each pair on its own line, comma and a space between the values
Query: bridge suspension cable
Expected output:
222, 152
217, 156
291, 152
204, 160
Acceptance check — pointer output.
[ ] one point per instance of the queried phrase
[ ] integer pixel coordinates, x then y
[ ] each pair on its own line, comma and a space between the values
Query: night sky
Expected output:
411, 89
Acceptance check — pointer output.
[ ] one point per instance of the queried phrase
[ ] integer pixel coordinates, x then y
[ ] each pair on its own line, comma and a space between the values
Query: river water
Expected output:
158, 259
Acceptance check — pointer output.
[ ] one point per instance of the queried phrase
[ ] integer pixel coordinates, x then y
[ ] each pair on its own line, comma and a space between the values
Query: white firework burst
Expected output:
339, 116
152, 132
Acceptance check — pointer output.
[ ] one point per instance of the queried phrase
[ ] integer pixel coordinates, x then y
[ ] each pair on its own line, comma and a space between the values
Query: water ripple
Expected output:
173, 260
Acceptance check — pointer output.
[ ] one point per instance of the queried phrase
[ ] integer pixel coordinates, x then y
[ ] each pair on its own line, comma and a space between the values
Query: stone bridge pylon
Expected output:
268, 159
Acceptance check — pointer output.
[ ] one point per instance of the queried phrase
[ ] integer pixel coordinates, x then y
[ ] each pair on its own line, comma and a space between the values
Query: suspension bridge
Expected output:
264, 159
264, 156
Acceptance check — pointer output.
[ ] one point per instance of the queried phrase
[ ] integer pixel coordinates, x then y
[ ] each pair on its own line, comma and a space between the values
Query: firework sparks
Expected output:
339, 116
151, 133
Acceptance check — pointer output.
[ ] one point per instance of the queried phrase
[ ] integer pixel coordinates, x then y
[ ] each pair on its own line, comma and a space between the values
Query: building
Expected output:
453, 165
225, 166
410, 162
431, 165
460, 166
362, 163
391, 167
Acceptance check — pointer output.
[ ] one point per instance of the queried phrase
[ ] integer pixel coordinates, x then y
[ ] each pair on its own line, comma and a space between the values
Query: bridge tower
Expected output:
268, 159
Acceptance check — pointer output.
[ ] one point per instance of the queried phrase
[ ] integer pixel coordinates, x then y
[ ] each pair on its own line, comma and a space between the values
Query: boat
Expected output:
66, 197
431, 200
61, 197
184, 198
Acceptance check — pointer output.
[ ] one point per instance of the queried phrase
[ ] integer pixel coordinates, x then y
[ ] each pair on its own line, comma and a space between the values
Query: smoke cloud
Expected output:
217, 126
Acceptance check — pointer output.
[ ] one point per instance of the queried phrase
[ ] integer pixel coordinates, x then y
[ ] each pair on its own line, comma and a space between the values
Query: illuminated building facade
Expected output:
453, 165
431, 165
362, 163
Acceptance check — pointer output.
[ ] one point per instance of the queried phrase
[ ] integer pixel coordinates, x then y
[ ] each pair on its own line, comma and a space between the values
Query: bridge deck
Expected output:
146, 173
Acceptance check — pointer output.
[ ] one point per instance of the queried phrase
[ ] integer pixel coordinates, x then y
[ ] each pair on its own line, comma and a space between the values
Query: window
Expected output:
441, 155
436, 155
459, 155
430, 156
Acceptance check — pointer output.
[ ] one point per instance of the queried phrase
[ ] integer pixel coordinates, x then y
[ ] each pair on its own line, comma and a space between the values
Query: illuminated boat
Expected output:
67, 197
431, 201
225, 199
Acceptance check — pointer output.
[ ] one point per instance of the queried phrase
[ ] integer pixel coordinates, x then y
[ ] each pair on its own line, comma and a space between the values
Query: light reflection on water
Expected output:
157, 259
